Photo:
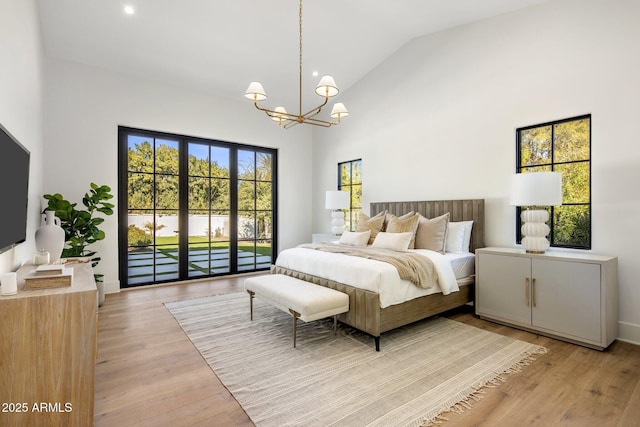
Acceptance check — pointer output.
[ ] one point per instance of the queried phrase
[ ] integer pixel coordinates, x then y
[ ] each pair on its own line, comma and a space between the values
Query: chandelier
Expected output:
326, 88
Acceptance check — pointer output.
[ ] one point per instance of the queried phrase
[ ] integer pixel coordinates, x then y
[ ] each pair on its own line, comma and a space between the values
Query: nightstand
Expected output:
565, 295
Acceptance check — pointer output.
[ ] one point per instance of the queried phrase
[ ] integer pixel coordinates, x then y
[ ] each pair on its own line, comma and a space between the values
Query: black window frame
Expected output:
184, 140
352, 210
553, 164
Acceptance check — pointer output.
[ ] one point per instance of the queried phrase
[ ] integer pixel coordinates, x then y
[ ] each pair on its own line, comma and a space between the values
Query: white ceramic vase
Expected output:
51, 236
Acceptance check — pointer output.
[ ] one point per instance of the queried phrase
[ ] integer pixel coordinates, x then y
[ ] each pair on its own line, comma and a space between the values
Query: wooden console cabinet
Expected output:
48, 353
570, 296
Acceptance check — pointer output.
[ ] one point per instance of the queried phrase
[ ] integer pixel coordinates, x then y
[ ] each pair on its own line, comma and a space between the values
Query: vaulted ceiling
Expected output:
220, 46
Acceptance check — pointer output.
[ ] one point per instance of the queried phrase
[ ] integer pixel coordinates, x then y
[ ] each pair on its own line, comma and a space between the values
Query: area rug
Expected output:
422, 371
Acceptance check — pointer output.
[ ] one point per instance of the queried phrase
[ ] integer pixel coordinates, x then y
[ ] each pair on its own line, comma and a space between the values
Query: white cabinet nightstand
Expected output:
570, 296
324, 237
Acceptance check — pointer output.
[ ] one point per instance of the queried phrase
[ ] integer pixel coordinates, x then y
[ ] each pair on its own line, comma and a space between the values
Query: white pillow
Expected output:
455, 237
468, 225
459, 237
355, 238
394, 241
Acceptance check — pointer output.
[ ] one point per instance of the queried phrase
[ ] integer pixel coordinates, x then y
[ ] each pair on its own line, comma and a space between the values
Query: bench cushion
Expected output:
311, 301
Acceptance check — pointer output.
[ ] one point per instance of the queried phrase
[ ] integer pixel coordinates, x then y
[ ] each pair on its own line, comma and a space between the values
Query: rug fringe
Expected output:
457, 404
465, 399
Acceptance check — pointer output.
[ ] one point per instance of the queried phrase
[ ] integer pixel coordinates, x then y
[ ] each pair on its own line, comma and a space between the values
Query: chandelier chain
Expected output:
300, 32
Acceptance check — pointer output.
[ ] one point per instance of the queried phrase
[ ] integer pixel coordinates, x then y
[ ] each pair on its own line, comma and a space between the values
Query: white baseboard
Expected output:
112, 287
629, 332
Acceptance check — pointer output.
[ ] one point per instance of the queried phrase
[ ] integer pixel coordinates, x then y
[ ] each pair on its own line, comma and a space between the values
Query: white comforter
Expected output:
372, 275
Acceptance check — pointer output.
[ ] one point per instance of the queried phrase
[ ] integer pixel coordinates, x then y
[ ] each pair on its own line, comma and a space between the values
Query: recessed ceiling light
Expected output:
314, 74
129, 10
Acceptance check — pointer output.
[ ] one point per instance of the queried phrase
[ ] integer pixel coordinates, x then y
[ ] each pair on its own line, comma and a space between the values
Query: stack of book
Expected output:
49, 276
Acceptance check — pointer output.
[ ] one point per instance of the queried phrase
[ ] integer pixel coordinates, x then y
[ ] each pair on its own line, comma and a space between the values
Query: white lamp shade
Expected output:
339, 110
327, 87
337, 199
255, 92
536, 189
279, 115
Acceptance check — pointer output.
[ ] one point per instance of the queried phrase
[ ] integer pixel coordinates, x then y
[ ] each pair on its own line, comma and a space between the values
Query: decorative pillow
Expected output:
374, 224
459, 236
394, 241
354, 238
432, 233
389, 216
404, 224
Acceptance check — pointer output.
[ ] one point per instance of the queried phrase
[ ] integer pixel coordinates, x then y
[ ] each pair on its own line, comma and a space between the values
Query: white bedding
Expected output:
463, 264
372, 275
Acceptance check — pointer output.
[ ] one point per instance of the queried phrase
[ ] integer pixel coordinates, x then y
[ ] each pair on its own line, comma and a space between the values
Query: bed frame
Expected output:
365, 313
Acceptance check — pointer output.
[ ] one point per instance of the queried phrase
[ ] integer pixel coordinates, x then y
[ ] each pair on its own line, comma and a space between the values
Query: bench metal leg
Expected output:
377, 339
251, 294
295, 322
335, 324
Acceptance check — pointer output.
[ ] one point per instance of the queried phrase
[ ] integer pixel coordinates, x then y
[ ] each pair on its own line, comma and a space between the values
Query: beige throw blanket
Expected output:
415, 268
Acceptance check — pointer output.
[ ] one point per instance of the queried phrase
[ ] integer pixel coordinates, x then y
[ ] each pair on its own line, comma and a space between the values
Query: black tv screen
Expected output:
14, 190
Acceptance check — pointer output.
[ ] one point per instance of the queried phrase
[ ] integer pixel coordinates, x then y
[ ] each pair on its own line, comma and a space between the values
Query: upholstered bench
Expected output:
304, 300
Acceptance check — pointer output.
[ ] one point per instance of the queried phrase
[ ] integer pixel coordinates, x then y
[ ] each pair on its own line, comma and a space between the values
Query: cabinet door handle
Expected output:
533, 292
526, 291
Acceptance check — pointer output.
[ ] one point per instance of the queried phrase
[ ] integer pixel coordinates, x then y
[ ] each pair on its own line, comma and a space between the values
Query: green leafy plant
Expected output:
138, 237
82, 226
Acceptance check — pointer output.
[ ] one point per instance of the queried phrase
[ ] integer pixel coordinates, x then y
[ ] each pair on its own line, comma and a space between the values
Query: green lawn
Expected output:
197, 242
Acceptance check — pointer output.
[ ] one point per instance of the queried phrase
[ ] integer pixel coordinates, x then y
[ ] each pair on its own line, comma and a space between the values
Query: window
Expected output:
562, 146
192, 208
350, 179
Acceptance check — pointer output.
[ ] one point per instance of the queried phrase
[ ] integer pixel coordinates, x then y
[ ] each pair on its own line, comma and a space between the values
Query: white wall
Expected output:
437, 120
85, 105
21, 88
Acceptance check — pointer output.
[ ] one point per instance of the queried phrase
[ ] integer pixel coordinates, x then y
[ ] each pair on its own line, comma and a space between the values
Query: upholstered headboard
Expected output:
459, 210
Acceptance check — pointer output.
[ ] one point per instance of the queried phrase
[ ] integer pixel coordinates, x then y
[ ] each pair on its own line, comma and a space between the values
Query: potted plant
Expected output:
82, 226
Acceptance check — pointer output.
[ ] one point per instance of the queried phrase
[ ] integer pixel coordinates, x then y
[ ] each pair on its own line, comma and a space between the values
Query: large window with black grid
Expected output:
192, 207
561, 146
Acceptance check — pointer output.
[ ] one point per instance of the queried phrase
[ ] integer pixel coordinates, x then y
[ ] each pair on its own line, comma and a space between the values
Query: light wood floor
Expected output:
149, 374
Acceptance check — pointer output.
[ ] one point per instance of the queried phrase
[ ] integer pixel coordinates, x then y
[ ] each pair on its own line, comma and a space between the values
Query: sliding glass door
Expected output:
192, 208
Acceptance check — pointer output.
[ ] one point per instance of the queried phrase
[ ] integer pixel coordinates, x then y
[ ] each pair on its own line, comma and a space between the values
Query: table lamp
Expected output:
337, 201
536, 190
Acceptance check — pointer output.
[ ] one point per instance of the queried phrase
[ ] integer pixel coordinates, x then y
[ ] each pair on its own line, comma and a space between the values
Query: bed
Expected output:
373, 315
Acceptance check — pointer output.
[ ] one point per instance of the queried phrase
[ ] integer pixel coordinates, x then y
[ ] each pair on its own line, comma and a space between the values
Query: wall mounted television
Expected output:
14, 190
